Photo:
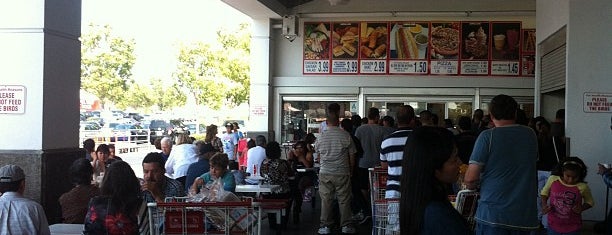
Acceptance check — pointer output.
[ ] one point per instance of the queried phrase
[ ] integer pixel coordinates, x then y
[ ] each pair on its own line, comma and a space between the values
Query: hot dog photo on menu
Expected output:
409, 40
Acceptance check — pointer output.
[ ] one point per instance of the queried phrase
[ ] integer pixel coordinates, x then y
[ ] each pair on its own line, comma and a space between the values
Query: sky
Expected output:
159, 26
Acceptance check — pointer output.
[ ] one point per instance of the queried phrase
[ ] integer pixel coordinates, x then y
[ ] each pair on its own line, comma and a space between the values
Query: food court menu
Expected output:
373, 43
345, 46
474, 48
505, 50
445, 45
316, 48
408, 48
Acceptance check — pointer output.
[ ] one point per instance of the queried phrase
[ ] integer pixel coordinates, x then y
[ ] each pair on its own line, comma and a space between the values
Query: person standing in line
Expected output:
606, 174
565, 196
503, 163
370, 136
337, 157
230, 142
430, 164
391, 155
19, 215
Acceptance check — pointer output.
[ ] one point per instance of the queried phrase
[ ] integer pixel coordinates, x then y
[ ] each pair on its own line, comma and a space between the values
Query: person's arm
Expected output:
545, 206
155, 189
309, 160
170, 163
587, 199
545, 192
606, 174
229, 182
472, 176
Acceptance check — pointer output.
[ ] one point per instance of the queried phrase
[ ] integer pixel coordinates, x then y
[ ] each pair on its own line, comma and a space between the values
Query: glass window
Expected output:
303, 117
443, 109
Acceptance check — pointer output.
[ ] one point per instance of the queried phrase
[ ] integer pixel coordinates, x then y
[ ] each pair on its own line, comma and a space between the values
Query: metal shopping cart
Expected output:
466, 202
179, 217
385, 212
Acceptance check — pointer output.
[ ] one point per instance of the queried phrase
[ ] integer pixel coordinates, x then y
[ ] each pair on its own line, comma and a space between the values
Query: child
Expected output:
569, 197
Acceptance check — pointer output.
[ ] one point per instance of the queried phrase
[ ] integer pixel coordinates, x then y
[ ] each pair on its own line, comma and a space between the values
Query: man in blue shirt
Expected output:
504, 164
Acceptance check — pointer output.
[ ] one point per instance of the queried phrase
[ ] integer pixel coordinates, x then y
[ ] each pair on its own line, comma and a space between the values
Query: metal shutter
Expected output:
553, 70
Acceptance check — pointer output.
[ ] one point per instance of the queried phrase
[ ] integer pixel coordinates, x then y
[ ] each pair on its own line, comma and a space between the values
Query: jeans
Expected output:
485, 229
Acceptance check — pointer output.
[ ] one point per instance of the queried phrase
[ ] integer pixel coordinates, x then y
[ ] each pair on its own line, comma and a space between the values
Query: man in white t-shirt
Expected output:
230, 142
256, 155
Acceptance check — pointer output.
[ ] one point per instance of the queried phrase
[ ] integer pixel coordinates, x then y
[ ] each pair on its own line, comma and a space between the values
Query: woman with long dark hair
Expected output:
430, 164
115, 211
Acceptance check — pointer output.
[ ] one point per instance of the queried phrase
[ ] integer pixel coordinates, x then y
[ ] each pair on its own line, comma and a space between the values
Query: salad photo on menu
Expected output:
316, 41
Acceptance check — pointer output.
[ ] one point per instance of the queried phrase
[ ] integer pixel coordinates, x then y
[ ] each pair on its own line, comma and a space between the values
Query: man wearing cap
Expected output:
230, 141
19, 215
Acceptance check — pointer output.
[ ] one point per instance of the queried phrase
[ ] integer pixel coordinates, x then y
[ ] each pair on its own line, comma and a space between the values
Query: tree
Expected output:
216, 77
167, 96
106, 63
138, 97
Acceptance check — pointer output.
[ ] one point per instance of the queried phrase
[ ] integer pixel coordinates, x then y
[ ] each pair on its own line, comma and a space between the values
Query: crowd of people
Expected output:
509, 157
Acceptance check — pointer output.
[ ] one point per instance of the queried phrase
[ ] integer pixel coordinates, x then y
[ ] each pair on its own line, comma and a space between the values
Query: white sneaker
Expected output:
348, 230
324, 230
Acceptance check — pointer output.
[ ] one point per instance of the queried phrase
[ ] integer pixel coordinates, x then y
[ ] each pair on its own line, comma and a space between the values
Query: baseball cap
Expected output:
228, 124
11, 173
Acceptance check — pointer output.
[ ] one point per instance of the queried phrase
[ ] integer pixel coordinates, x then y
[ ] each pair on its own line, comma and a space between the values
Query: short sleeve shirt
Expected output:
334, 147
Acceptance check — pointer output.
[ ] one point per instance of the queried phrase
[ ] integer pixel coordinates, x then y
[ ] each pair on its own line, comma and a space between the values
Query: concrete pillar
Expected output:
259, 102
41, 53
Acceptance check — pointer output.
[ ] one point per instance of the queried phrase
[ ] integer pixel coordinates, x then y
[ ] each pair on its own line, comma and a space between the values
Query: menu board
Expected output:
345, 48
528, 52
373, 45
467, 48
316, 48
505, 49
445, 45
475, 48
408, 48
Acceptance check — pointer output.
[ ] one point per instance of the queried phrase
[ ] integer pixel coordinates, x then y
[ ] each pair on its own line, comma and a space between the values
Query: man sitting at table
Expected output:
218, 170
156, 186
19, 215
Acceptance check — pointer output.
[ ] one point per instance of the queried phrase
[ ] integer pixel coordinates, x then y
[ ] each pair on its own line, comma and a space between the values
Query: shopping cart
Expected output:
385, 212
466, 202
179, 217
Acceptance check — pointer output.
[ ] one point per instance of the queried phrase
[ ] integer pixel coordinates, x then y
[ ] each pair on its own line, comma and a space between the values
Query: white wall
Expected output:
588, 70
588, 57
260, 75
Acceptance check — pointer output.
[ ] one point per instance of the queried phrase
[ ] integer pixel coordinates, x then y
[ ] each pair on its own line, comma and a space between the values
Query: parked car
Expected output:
159, 128
127, 132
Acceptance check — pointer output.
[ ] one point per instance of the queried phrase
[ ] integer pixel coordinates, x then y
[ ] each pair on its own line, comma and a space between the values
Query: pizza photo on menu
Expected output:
445, 41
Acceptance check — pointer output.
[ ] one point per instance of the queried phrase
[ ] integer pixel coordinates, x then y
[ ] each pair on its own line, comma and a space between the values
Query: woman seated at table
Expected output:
115, 211
301, 158
430, 165
277, 171
218, 170
74, 203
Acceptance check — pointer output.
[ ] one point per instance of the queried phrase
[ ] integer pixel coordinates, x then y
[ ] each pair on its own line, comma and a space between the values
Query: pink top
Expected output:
562, 198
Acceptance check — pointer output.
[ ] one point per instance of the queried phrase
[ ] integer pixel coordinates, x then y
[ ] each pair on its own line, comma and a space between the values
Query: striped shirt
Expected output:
392, 152
334, 147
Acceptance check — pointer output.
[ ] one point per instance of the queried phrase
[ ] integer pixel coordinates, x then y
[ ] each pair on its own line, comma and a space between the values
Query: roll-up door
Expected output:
553, 70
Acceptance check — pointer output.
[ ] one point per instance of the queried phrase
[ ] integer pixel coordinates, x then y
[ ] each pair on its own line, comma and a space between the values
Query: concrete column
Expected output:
41, 53
259, 102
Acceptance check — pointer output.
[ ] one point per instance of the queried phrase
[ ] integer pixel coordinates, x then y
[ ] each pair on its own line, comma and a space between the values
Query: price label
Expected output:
344, 66
440, 67
505, 68
474, 67
316, 66
373, 66
408, 66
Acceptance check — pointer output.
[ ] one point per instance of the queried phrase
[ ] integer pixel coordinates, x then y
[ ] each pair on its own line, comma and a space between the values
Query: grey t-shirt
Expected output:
370, 136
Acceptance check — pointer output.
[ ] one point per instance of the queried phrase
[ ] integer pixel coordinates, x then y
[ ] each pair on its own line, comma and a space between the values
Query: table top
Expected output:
65, 229
255, 177
264, 188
